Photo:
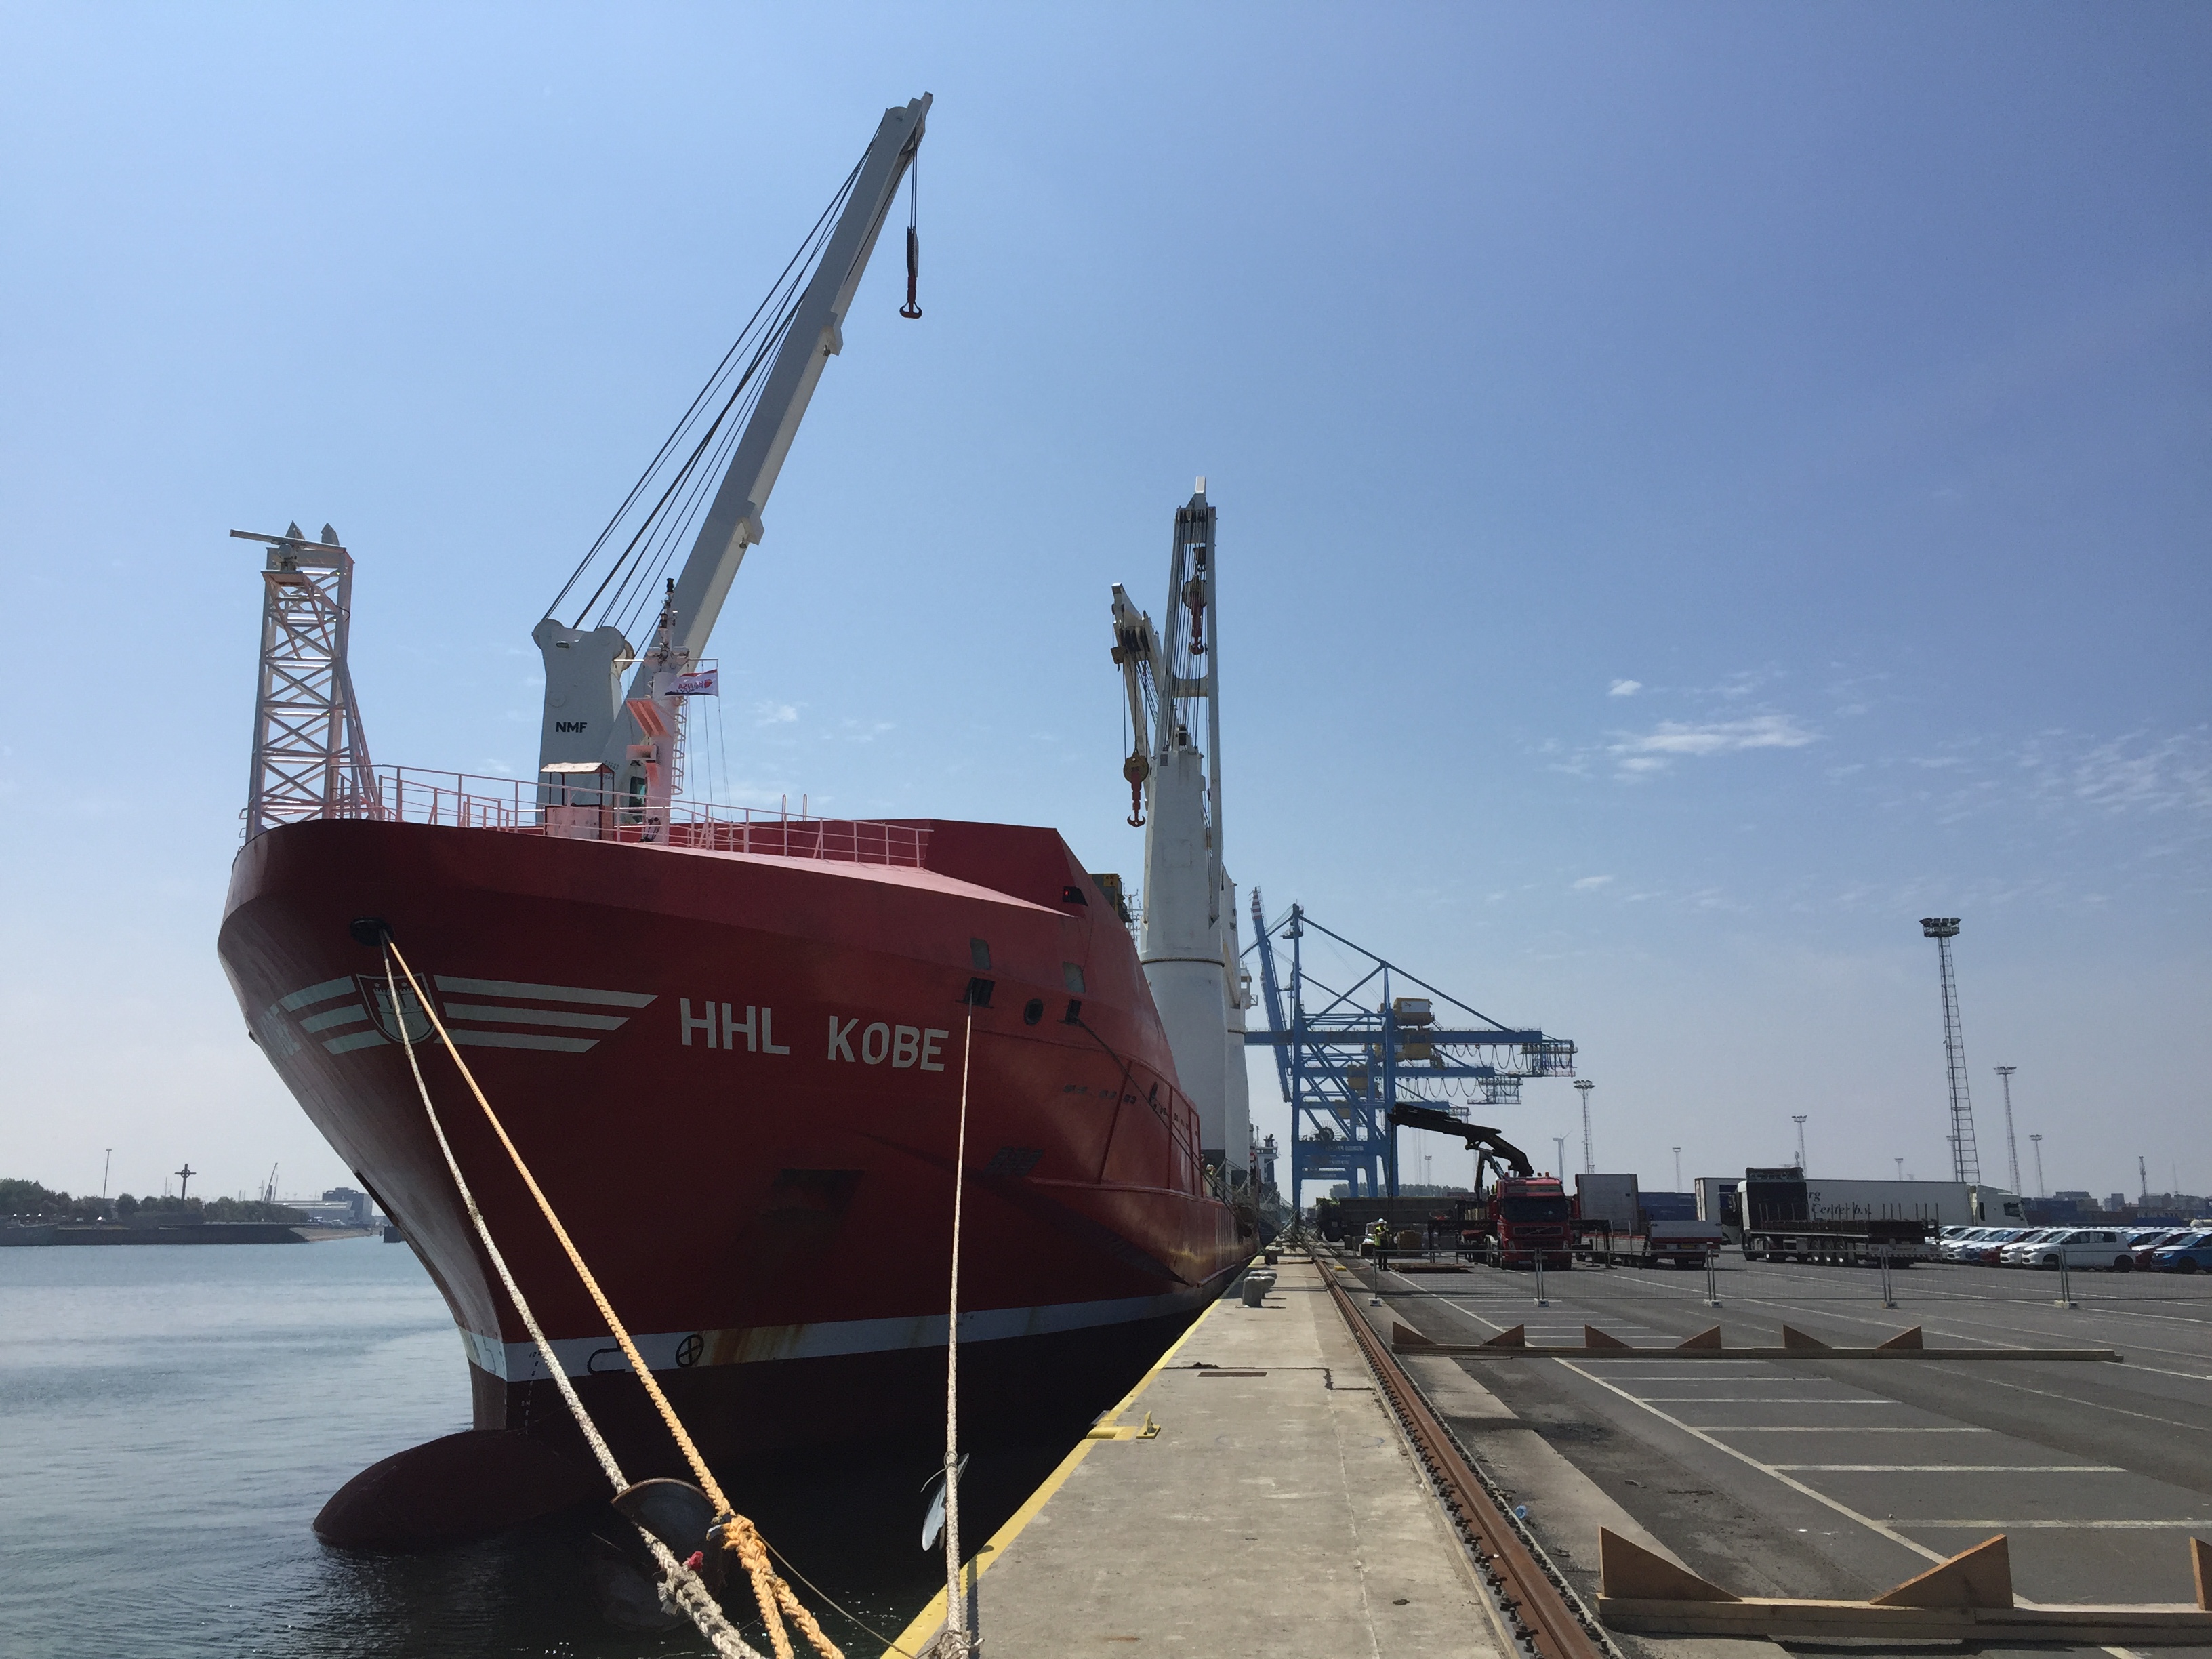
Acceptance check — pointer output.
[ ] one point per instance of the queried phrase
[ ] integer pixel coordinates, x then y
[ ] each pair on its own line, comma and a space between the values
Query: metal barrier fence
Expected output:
1727, 1279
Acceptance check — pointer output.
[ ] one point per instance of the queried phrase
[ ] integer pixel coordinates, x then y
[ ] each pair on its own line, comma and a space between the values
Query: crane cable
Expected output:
776, 1598
779, 304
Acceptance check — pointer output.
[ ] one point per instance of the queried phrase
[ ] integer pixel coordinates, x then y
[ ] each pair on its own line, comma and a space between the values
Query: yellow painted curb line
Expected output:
927, 1621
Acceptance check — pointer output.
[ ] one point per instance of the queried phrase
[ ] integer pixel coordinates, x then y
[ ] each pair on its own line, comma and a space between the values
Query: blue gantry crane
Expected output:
1347, 1057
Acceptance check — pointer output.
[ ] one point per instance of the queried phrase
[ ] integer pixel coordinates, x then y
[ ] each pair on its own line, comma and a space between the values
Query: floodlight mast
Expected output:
1966, 1160
2012, 1145
585, 717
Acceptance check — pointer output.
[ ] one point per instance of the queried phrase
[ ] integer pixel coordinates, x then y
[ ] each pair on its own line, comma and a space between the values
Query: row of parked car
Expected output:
2112, 1249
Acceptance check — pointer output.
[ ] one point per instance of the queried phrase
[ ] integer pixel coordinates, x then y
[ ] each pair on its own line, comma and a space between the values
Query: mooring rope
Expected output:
956, 1604
689, 1593
776, 1598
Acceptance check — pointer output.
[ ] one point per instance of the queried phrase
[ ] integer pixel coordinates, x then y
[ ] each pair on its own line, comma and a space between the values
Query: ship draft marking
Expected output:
493, 1002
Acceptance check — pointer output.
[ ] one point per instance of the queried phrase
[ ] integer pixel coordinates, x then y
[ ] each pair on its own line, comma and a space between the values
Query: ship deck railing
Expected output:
411, 794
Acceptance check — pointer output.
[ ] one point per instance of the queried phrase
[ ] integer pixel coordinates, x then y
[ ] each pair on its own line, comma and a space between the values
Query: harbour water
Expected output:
173, 1417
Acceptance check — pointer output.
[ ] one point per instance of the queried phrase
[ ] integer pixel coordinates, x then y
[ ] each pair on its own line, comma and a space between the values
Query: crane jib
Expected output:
589, 717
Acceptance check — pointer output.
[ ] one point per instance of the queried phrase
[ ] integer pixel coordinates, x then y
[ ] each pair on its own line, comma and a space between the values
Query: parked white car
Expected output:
2092, 1248
2015, 1255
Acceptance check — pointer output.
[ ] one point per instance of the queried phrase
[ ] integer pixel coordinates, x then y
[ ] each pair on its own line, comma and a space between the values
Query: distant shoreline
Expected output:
204, 1232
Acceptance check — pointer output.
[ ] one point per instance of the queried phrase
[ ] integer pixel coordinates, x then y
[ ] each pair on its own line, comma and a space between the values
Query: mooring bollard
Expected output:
1541, 1300
2065, 1281
1889, 1294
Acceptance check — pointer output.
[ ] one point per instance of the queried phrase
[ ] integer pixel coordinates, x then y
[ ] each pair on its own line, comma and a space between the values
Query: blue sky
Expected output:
1700, 488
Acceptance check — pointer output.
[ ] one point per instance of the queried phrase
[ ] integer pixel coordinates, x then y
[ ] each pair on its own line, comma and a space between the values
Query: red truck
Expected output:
1530, 1215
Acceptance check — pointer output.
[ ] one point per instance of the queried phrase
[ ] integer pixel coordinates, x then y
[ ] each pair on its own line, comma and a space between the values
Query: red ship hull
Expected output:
738, 1079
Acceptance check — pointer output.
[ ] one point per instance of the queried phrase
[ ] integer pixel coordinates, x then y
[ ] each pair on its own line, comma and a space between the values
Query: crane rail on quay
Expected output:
1353, 1074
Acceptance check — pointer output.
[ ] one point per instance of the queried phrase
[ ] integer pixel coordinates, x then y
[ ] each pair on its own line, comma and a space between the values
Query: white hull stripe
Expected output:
314, 993
281, 1041
502, 988
521, 1040
559, 1045
669, 1351
534, 1016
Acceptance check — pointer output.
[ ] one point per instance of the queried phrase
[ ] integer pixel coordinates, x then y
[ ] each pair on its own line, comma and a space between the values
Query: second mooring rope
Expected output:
956, 1603
776, 1598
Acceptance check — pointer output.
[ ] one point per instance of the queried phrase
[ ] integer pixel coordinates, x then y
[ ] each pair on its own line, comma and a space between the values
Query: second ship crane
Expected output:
1188, 939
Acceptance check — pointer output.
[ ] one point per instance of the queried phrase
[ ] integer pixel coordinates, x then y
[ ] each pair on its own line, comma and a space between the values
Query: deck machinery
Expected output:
1357, 1063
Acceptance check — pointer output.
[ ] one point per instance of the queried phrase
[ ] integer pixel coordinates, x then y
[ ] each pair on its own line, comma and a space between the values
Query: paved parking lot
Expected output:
1839, 1478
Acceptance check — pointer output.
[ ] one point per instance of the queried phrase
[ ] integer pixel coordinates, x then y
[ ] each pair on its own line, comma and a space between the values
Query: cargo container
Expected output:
1944, 1203
1668, 1206
1778, 1213
1716, 1196
1608, 1203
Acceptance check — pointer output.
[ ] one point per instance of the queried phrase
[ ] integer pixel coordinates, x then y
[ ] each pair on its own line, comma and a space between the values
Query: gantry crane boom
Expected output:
1359, 1063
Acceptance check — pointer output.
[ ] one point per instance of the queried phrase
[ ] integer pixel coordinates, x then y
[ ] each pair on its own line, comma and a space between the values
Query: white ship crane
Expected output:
598, 739
1188, 939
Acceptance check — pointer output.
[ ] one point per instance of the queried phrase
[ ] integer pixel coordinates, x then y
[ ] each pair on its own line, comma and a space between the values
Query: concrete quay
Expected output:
1278, 1512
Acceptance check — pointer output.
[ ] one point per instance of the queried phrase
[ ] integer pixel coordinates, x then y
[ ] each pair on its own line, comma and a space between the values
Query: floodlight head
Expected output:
2007, 1070
1939, 927
1584, 1083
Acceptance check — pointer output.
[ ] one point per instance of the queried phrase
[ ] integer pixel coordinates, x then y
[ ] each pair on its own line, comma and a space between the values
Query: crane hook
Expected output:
913, 271
910, 310
1194, 596
1136, 768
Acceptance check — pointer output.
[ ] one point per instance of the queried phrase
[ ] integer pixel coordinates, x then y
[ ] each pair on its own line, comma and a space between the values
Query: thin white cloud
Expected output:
2132, 773
1590, 884
775, 713
1673, 738
1624, 687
